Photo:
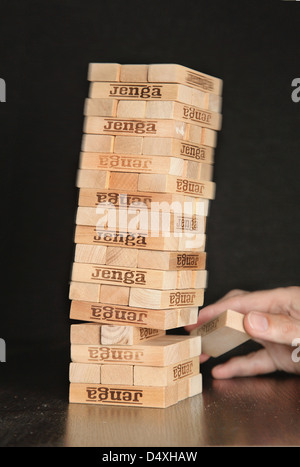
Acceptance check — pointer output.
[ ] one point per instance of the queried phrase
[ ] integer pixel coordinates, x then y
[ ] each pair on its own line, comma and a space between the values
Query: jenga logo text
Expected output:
120, 238
114, 314
114, 354
119, 275
195, 152
182, 298
196, 115
113, 395
135, 91
200, 81
129, 126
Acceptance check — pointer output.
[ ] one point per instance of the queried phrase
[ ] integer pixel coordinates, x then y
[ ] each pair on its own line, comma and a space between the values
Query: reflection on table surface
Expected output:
245, 411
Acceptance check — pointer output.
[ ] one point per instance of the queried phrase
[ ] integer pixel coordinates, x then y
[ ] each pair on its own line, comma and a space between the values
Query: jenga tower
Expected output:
145, 182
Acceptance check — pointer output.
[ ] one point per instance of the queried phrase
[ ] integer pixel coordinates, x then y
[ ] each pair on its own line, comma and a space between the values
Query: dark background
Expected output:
45, 48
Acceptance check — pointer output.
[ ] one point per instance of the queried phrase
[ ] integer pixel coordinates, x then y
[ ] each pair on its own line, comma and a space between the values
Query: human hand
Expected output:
272, 318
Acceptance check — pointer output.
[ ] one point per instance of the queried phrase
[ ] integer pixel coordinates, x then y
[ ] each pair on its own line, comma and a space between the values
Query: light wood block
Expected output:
172, 184
92, 178
155, 92
90, 254
131, 109
113, 294
85, 333
131, 127
176, 148
104, 274
223, 333
156, 299
104, 313
135, 221
149, 127
138, 164
161, 351
117, 374
165, 376
183, 112
122, 181
104, 72
120, 395
171, 260
85, 291
100, 107
86, 234
117, 256
134, 73
97, 143
173, 73
190, 387
130, 145
127, 335
163, 202
84, 373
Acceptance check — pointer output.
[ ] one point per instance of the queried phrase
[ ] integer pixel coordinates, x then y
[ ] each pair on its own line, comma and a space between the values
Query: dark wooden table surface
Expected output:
34, 410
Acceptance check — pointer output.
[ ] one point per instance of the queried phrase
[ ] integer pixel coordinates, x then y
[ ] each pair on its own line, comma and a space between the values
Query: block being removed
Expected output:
223, 333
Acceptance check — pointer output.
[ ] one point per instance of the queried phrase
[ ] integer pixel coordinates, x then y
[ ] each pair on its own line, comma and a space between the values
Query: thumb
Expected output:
277, 328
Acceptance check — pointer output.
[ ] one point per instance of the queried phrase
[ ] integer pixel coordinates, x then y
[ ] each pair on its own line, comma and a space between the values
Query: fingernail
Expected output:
258, 321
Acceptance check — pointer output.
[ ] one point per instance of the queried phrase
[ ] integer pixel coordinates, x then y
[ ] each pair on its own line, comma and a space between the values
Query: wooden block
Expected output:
187, 315
171, 260
132, 127
114, 294
122, 181
172, 73
171, 184
176, 148
223, 333
104, 72
104, 274
137, 164
84, 373
117, 256
87, 234
199, 280
190, 387
135, 221
117, 374
104, 313
156, 299
200, 135
128, 145
121, 395
100, 107
84, 291
126, 335
92, 179
155, 92
165, 376
183, 112
163, 202
185, 280
90, 254
97, 143
85, 333
130, 109
134, 73
161, 351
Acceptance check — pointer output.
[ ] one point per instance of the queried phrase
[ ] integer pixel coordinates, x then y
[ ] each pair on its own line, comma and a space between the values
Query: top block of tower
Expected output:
155, 73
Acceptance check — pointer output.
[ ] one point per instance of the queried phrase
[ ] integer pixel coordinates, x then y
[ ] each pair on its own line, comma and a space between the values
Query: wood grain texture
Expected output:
223, 333
106, 313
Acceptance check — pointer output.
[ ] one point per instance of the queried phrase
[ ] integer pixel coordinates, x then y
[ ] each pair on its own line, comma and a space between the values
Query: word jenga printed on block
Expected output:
145, 183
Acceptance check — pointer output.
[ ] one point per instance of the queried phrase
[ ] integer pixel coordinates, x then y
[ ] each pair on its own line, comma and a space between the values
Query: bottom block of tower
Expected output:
138, 396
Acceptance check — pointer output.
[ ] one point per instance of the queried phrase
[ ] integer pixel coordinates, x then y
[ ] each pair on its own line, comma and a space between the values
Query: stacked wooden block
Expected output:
145, 183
